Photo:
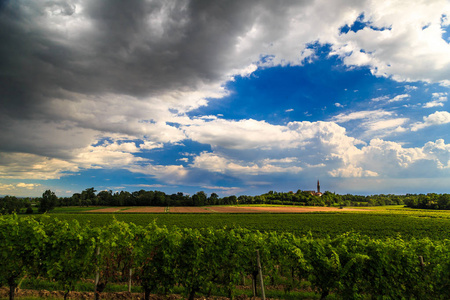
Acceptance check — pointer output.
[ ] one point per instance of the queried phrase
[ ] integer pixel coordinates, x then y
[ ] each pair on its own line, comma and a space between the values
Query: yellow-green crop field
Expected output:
377, 222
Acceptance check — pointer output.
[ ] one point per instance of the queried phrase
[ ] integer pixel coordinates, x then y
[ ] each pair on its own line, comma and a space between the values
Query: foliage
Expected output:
21, 249
48, 201
68, 253
155, 251
114, 245
303, 198
428, 201
375, 223
11, 204
349, 266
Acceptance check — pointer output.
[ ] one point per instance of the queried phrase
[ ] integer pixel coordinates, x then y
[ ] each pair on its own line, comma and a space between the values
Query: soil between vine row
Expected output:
44, 294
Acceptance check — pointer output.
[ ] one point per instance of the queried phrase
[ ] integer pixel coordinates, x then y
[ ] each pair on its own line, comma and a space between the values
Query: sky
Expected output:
232, 97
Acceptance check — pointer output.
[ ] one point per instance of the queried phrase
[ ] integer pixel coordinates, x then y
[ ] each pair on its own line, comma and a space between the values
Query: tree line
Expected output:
90, 197
428, 201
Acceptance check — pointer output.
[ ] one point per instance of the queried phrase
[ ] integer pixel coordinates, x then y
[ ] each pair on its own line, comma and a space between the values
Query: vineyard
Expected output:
376, 223
206, 260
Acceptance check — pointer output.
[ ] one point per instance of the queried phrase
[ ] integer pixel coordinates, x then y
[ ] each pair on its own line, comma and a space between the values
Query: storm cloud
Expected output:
78, 76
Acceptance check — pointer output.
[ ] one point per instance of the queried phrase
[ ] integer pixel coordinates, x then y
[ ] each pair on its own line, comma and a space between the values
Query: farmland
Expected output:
341, 254
377, 222
321, 250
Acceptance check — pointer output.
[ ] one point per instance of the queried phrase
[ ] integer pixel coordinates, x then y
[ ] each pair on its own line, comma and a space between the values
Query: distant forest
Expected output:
89, 197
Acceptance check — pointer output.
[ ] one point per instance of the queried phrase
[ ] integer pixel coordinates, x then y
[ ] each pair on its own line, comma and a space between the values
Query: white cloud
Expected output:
317, 144
390, 159
411, 87
19, 189
437, 118
381, 98
440, 152
216, 163
388, 100
289, 110
149, 145
31, 166
388, 124
336, 153
399, 98
137, 82
173, 174
375, 123
243, 134
438, 100
285, 160
434, 103
366, 114
352, 171
411, 48
388, 154
252, 134
5, 187
29, 186
108, 157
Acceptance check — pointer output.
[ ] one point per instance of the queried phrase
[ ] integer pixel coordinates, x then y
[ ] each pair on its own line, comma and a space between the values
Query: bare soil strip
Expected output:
232, 209
188, 209
144, 209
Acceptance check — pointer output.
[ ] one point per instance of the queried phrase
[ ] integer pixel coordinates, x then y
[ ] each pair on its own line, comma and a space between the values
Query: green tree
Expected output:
88, 197
48, 201
213, 199
11, 204
199, 198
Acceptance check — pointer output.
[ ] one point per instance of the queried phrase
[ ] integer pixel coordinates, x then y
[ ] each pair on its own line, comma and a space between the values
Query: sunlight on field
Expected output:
379, 222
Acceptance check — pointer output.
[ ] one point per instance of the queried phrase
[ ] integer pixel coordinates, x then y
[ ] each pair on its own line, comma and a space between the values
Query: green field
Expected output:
377, 222
395, 253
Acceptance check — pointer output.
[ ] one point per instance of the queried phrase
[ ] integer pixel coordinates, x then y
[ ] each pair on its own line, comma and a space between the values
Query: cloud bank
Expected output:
96, 84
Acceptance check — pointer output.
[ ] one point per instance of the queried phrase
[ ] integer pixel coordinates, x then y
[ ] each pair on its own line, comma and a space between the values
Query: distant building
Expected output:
314, 193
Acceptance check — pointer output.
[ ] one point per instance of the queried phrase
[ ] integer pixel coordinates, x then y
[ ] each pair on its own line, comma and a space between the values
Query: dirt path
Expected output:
43, 294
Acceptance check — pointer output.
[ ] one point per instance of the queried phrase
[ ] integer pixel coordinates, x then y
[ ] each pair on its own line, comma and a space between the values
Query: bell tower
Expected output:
318, 186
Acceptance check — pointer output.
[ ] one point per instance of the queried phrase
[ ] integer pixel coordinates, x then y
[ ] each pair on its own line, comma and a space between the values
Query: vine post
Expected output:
422, 264
97, 273
129, 279
263, 294
254, 279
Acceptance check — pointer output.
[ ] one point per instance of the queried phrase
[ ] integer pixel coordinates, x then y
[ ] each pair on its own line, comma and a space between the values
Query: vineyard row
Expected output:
349, 265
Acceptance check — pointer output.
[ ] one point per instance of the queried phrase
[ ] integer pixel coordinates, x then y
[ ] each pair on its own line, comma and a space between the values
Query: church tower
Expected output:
318, 186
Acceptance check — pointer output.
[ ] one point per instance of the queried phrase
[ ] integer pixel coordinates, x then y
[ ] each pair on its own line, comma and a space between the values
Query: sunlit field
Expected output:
379, 222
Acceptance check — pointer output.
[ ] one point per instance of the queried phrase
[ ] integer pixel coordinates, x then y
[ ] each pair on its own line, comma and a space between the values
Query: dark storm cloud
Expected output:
67, 67
136, 47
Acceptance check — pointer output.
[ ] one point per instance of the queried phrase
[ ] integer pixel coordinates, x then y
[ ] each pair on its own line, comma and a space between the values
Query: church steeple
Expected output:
318, 186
